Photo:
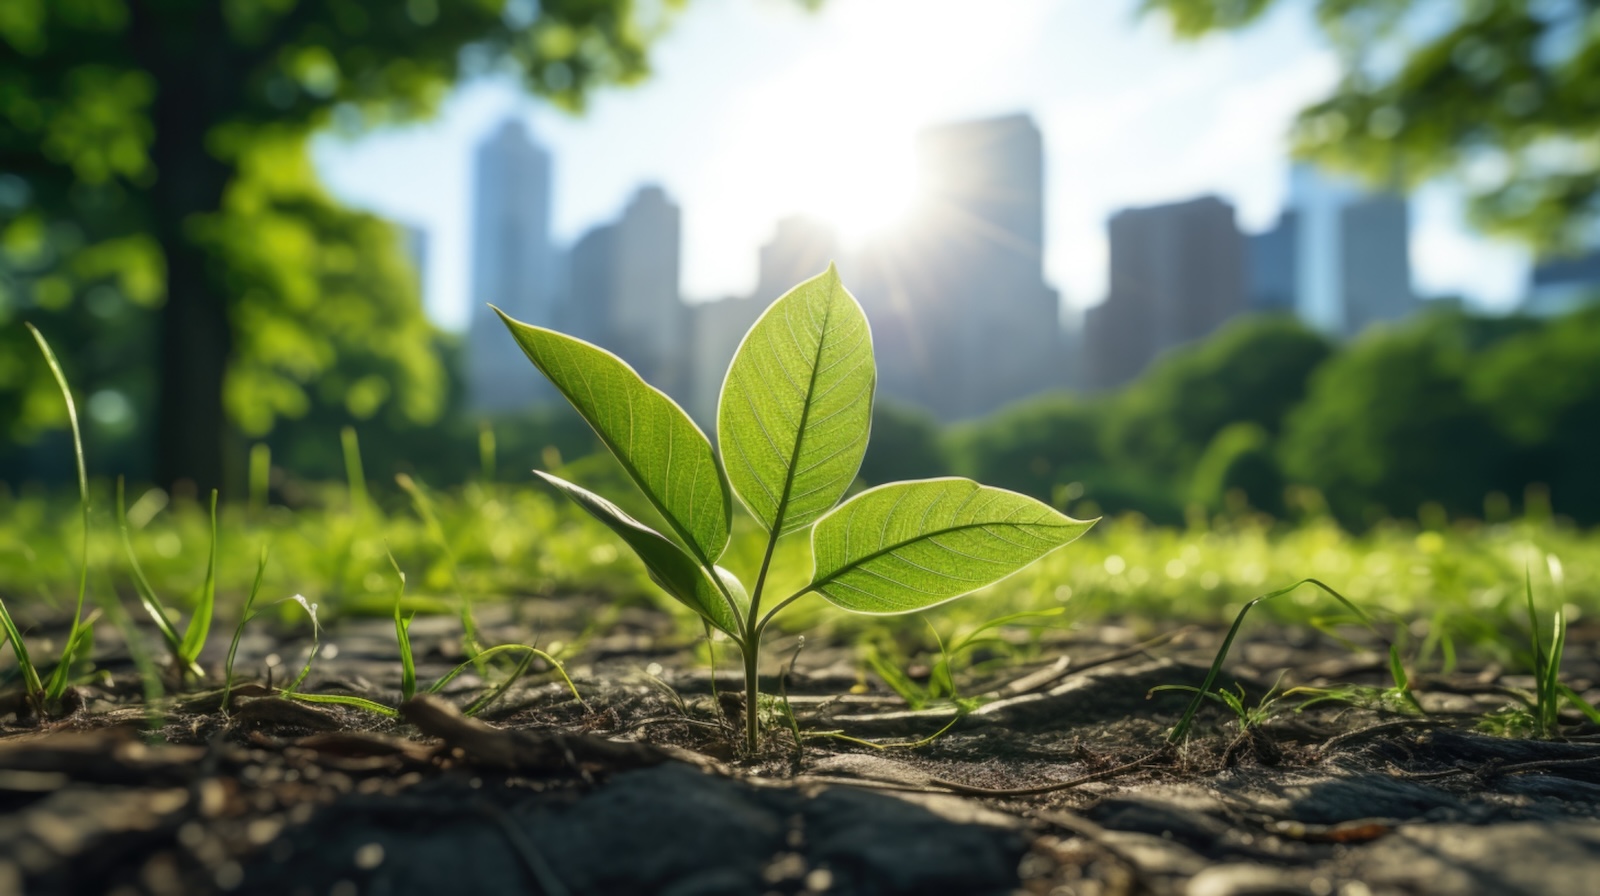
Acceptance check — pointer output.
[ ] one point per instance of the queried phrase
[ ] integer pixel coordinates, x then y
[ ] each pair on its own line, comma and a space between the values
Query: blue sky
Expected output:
758, 109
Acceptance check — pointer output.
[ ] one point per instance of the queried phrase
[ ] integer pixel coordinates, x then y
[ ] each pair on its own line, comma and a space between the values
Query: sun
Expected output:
823, 145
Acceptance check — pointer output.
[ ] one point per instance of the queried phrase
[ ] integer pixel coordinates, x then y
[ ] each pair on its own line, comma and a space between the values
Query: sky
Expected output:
758, 109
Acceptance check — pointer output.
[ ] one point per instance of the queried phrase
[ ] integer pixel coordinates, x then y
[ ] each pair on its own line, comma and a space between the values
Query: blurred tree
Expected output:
143, 145
1239, 461
1542, 389
1500, 94
1252, 371
904, 445
1389, 424
1031, 446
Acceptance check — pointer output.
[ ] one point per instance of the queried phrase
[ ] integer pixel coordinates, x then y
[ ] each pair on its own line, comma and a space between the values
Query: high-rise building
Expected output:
414, 243
512, 266
963, 320
622, 291
1562, 284
1352, 254
1177, 273
1270, 257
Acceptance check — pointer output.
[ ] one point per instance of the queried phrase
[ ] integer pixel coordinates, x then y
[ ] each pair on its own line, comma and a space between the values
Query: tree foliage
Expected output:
154, 193
1498, 94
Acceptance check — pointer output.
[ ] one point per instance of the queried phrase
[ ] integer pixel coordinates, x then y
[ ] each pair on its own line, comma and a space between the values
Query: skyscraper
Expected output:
1353, 261
512, 265
1270, 256
1562, 284
1177, 273
962, 318
622, 291
414, 243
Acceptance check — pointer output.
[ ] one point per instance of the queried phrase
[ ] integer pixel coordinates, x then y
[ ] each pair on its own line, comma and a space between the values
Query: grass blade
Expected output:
238, 631
555, 664
402, 636
30, 673
58, 679
345, 700
141, 586
260, 475
194, 637
355, 476
316, 643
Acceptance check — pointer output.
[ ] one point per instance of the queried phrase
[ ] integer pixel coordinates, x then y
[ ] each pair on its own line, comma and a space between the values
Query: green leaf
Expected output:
669, 566
909, 545
660, 447
796, 406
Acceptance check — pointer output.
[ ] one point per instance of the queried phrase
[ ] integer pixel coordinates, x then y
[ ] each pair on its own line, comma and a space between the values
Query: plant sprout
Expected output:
792, 426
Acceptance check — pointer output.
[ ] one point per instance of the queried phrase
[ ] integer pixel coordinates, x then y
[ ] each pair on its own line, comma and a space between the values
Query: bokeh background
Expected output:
1331, 259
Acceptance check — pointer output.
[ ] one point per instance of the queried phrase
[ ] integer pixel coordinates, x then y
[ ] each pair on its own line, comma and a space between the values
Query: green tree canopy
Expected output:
1252, 371
1498, 94
154, 188
1389, 424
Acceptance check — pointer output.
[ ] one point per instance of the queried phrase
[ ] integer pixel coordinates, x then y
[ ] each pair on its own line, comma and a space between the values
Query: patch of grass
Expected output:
1180, 731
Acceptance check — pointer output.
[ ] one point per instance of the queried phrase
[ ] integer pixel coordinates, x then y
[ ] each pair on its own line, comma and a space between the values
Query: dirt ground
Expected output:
1057, 784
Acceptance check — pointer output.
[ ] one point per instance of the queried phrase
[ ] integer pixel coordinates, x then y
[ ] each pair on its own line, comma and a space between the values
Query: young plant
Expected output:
1549, 692
185, 649
1402, 684
792, 426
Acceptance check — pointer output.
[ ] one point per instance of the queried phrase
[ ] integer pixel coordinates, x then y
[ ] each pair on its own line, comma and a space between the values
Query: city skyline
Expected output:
824, 122
964, 319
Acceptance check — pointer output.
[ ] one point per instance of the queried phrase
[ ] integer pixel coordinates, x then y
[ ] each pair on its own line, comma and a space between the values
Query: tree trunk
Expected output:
191, 427
191, 430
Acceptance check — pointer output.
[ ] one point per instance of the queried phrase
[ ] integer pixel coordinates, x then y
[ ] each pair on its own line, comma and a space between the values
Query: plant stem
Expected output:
752, 693
752, 650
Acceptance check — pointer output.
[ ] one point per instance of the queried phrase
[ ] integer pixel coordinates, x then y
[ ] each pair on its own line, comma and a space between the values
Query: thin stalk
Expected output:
194, 637
355, 476
752, 651
260, 475
752, 695
147, 595
63, 670
30, 673
244, 616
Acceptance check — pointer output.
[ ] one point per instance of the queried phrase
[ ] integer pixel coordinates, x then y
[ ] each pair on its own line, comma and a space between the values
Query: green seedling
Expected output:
792, 426
186, 648
1204, 692
1249, 717
81, 633
1543, 713
941, 675
408, 668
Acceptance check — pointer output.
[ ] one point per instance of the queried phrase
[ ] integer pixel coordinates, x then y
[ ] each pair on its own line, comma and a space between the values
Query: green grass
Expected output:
1441, 593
